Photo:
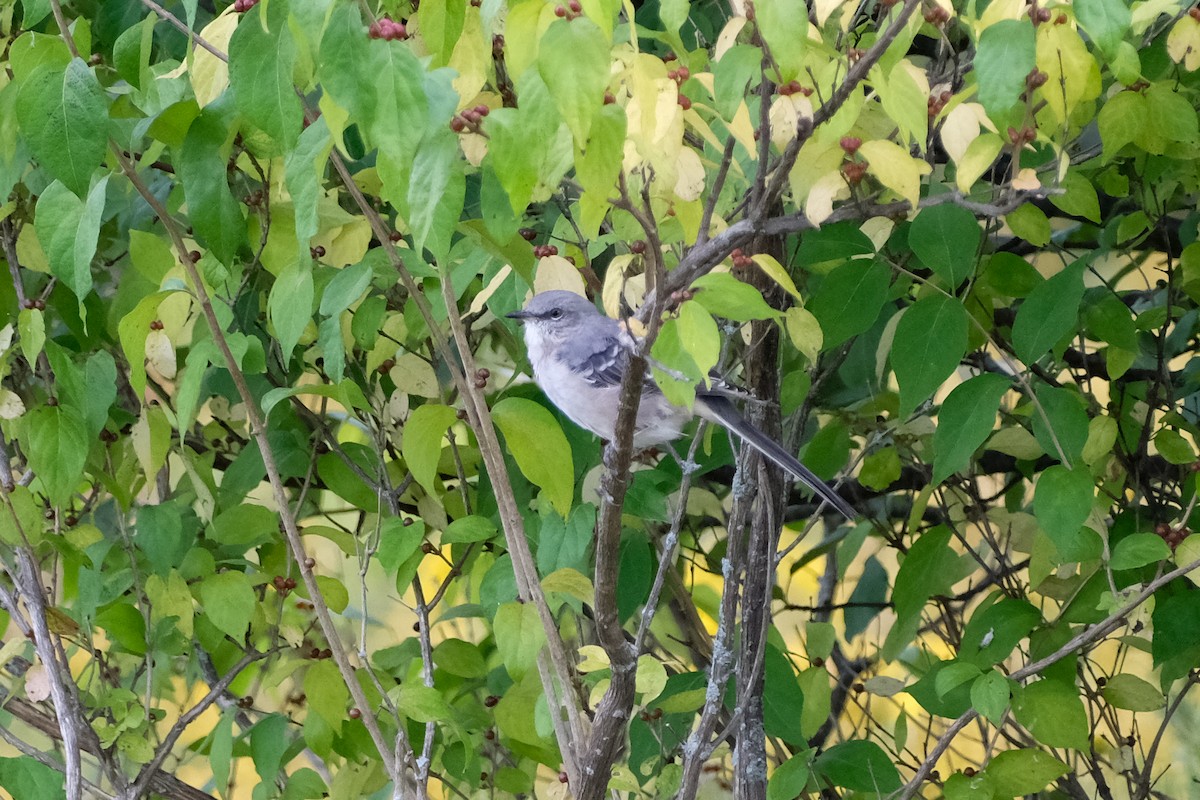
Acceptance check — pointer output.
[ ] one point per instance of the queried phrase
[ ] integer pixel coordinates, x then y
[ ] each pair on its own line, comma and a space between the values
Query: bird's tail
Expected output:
719, 409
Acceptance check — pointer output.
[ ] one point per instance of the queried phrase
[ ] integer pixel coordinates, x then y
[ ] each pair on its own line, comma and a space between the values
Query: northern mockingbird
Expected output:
579, 357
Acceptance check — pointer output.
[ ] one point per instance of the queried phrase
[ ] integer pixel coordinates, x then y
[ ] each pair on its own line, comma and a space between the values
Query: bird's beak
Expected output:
518, 315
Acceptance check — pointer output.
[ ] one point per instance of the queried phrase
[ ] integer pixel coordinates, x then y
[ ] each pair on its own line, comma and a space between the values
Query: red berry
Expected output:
354, 713
683, 73
482, 110
637, 247
458, 124
491, 701
374, 31
528, 234
559, 11
609, 98
575, 6
685, 102
850, 144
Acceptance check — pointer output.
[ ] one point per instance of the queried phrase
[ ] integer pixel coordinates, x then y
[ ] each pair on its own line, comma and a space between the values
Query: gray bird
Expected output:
579, 357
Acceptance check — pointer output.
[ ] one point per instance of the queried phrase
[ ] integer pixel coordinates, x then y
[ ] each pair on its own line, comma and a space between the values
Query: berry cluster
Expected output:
570, 11
318, 654
242, 6
156, 325
387, 29
935, 104
544, 250
386, 366
1172, 536
647, 716
35, 303
854, 171
679, 297
481, 377
469, 119
740, 259
1023, 136
679, 75
937, 16
794, 87
1035, 79
685, 102
1038, 15
317, 252
850, 144
283, 585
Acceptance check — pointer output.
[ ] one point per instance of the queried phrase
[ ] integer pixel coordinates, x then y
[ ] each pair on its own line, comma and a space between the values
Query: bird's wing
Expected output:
600, 361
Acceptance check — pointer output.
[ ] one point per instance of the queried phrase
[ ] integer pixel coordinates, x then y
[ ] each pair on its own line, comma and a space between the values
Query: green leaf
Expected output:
1049, 314
1121, 120
965, 420
290, 304
789, 778
262, 55
859, 766
422, 445
849, 299
1138, 550
20, 518
519, 637
994, 631
931, 340
1016, 773
573, 60
784, 25
946, 239
215, 215
1053, 713
1132, 693
345, 288
1172, 116
58, 447
1173, 447
327, 693
540, 448
423, 704
930, 567
29, 779
1004, 57
229, 602
1030, 223
1062, 503
31, 327
783, 701
441, 24
1106, 22
303, 169
68, 229
63, 116
1080, 198
725, 296
1060, 422
460, 658
732, 77
269, 741
990, 694
436, 191
469, 529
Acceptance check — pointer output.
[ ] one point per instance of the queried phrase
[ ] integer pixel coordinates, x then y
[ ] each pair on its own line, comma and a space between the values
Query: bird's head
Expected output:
555, 313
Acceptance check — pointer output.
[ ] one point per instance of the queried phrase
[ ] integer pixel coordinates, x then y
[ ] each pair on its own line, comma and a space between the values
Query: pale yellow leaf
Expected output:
828, 188
160, 354
824, 8
1001, 10
1183, 43
728, 36
471, 58
650, 678
816, 160
895, 168
555, 272
805, 332
959, 129
742, 129
776, 272
593, 658
615, 278
210, 75
1073, 75
689, 182
37, 683
1026, 180
11, 405
980, 155
414, 375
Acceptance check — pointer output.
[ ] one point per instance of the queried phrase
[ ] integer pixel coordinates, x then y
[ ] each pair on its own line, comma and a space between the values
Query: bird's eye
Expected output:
556, 314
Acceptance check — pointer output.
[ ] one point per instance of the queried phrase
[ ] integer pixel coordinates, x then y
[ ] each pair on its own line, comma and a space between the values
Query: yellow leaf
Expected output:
743, 130
160, 354
1001, 10
1074, 76
828, 188
895, 168
555, 272
805, 332
817, 159
594, 658
210, 75
728, 36
471, 57
11, 405
904, 100
689, 183
777, 273
980, 155
1183, 43
570, 581
959, 129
